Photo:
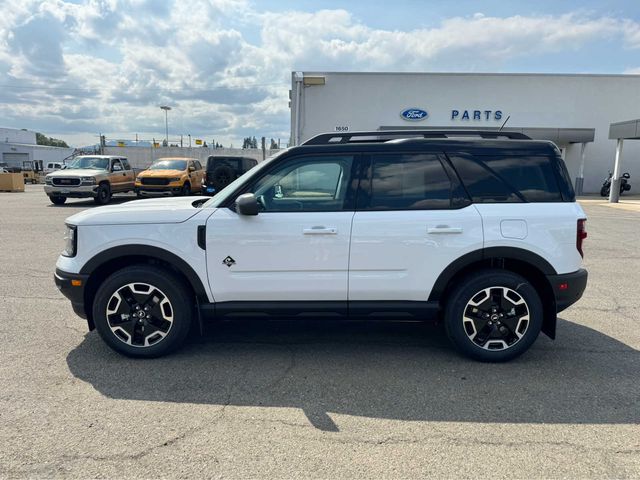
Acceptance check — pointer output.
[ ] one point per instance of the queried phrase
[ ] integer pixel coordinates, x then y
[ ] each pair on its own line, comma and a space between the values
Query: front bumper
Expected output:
568, 288
72, 286
168, 190
81, 191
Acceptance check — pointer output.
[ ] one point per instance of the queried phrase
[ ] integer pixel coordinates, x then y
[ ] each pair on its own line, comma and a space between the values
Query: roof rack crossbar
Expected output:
383, 135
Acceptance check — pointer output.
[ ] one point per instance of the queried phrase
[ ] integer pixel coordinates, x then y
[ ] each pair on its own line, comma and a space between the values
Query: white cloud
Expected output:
106, 65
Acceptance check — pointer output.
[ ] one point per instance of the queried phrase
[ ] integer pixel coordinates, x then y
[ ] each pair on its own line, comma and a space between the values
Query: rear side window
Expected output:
197, 164
125, 163
404, 182
507, 178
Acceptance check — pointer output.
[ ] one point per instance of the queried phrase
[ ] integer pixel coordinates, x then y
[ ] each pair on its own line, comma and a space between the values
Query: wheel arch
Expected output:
113, 259
523, 262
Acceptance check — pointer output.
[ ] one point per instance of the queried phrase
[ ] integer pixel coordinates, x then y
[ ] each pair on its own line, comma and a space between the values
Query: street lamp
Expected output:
166, 122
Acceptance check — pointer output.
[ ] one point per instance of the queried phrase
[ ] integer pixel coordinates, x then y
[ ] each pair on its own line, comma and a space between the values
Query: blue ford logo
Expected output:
414, 114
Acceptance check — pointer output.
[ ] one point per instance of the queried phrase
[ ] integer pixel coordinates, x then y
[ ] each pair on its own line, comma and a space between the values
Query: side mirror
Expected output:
247, 204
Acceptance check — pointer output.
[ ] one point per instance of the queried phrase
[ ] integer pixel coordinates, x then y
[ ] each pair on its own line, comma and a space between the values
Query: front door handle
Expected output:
320, 230
444, 229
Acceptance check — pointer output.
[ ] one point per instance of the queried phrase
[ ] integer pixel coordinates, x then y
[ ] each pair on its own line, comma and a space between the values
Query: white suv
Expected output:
482, 233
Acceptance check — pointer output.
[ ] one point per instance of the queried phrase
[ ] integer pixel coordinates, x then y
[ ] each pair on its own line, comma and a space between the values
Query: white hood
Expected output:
151, 211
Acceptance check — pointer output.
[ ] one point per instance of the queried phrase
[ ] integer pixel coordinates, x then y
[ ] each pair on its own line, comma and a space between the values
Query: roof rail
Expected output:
383, 135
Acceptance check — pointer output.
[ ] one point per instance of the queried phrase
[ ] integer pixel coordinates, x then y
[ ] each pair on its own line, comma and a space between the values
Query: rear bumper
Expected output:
568, 288
75, 293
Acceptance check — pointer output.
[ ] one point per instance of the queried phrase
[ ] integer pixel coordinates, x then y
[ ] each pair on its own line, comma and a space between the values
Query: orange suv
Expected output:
171, 176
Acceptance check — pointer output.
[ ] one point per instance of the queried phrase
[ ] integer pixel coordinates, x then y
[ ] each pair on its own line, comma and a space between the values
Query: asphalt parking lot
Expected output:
315, 399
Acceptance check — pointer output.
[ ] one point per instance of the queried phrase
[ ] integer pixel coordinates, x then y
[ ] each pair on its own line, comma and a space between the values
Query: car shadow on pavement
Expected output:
403, 371
89, 203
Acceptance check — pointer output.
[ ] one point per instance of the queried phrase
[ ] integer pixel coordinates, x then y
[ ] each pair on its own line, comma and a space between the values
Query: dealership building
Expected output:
574, 111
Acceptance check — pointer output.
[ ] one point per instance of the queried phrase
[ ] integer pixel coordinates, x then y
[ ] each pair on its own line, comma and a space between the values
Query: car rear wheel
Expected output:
493, 315
222, 176
57, 200
143, 311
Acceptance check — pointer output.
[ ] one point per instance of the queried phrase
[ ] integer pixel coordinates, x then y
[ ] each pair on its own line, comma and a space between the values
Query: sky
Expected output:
77, 69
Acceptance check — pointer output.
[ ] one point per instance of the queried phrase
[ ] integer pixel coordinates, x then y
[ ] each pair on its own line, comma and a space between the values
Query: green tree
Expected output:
49, 141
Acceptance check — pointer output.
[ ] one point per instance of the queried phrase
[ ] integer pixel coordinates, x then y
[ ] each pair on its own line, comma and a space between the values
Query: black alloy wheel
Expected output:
493, 315
143, 311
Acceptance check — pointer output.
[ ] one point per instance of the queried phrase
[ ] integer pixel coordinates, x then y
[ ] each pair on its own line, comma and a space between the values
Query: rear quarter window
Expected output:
509, 178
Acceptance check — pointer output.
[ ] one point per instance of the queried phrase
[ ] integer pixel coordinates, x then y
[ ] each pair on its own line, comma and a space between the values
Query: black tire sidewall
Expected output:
57, 200
186, 189
170, 285
230, 173
470, 286
101, 199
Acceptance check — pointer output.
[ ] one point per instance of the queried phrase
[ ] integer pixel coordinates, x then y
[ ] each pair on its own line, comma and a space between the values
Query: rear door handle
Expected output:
444, 229
320, 230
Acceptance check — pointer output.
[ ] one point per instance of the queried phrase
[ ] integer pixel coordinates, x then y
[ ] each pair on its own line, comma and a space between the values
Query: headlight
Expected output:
177, 179
47, 180
91, 180
71, 241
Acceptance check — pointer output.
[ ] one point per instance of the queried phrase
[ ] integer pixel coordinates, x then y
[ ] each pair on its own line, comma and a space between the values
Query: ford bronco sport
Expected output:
483, 234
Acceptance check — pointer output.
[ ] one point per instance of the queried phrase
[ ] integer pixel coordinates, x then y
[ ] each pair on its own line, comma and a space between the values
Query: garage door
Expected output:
15, 159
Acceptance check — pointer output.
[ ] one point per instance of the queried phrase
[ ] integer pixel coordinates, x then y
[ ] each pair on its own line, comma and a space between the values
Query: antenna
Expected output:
505, 122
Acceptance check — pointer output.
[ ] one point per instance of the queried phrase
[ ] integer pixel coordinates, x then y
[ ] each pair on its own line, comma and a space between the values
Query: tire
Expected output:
103, 194
186, 189
604, 191
222, 176
509, 330
143, 290
57, 200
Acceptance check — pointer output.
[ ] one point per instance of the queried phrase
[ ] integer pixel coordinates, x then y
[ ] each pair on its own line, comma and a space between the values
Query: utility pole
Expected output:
166, 109
264, 153
189, 140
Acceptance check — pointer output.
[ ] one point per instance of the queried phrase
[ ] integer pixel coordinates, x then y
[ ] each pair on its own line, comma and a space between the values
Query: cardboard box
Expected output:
11, 182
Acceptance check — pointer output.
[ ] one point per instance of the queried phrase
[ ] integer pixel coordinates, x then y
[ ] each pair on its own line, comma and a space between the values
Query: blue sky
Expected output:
75, 69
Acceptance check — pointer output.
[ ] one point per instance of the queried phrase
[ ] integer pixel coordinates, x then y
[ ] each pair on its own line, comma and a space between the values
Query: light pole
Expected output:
166, 122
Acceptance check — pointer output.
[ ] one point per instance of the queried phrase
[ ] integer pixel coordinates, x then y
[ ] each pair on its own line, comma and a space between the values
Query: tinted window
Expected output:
405, 182
505, 177
197, 164
125, 163
481, 183
305, 184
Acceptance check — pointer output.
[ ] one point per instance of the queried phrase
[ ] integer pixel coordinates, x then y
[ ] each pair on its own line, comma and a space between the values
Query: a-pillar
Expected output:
614, 194
580, 177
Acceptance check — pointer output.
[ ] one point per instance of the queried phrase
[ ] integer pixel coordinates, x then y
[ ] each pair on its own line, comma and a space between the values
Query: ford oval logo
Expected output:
414, 114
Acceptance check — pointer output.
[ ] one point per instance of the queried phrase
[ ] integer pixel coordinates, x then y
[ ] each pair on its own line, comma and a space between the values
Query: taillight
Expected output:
581, 235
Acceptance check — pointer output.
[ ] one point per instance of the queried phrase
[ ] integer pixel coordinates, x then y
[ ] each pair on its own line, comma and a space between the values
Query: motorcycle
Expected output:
625, 186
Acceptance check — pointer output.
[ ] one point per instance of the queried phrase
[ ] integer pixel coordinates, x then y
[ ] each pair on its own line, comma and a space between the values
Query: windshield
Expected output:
229, 189
90, 163
169, 165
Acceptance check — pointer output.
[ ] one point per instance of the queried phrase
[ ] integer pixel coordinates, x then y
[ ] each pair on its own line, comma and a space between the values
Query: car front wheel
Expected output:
493, 315
143, 311
103, 194
57, 200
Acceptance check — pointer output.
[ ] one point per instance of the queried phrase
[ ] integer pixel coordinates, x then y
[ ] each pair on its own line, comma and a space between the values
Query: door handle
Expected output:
444, 229
320, 230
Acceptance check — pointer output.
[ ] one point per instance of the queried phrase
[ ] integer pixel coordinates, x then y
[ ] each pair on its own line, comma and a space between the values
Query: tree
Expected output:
274, 145
49, 141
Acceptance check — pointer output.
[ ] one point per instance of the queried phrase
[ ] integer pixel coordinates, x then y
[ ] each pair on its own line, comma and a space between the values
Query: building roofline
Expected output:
474, 74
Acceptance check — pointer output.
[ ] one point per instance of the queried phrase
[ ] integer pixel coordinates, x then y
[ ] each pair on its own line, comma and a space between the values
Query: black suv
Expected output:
221, 171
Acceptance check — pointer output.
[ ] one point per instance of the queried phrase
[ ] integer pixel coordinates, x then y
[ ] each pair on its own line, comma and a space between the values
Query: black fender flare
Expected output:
512, 253
147, 251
